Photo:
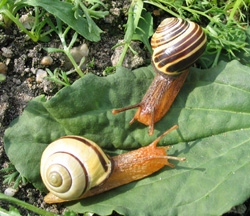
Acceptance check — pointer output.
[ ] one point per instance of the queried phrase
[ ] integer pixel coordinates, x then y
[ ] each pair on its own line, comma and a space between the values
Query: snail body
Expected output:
176, 45
110, 173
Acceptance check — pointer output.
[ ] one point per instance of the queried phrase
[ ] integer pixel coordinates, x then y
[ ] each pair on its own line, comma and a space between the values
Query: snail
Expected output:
176, 45
73, 167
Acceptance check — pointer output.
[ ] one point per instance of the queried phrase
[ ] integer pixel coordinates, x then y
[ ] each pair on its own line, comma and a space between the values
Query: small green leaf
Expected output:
2, 77
212, 111
64, 11
12, 212
144, 29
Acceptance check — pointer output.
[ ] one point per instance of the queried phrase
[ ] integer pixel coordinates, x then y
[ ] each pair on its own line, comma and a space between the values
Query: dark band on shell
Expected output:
177, 44
97, 151
72, 165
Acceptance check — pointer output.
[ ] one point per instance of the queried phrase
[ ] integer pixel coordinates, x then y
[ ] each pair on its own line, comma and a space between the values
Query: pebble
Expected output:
115, 11
40, 74
27, 20
10, 191
33, 70
46, 60
6, 52
78, 53
131, 60
17, 81
3, 68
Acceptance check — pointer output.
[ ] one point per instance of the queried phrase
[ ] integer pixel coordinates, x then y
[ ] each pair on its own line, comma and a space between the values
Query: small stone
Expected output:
131, 60
27, 70
10, 191
3, 68
18, 81
78, 53
7, 52
46, 60
27, 20
47, 85
115, 11
40, 74
33, 70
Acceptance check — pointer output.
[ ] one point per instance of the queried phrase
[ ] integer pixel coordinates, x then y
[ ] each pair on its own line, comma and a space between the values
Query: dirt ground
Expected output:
23, 57
20, 87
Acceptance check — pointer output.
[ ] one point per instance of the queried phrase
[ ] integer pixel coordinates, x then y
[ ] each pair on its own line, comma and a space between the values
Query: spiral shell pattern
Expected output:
72, 165
176, 45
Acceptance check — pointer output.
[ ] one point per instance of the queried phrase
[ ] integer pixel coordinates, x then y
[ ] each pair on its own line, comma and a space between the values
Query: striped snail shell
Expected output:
72, 165
176, 45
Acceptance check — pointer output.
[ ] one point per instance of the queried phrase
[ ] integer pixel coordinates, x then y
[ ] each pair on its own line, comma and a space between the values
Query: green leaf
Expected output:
2, 77
212, 111
12, 212
144, 29
64, 11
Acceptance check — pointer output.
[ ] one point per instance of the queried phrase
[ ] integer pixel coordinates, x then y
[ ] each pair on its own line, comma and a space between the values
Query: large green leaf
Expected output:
212, 111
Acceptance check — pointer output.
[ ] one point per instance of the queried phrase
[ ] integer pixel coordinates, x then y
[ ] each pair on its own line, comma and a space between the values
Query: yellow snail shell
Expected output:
63, 159
125, 168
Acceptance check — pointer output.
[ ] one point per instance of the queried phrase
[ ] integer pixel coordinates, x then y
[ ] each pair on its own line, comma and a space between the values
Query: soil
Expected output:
23, 57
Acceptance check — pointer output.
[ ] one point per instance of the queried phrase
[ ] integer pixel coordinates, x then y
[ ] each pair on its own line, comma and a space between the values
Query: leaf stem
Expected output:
134, 14
19, 24
25, 205
159, 5
234, 9
122, 56
66, 49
